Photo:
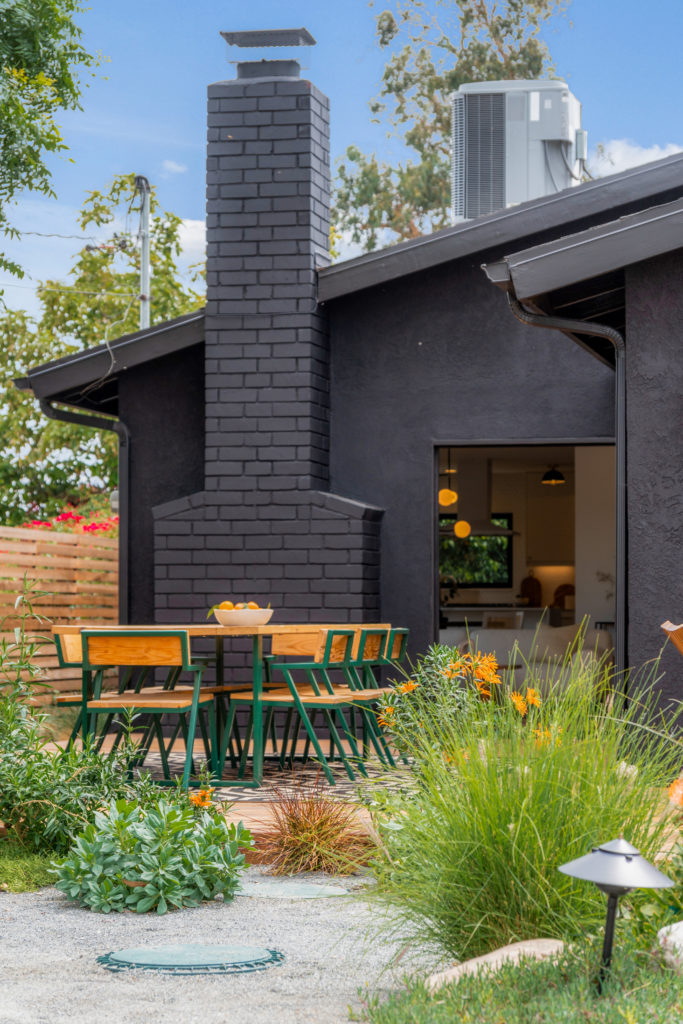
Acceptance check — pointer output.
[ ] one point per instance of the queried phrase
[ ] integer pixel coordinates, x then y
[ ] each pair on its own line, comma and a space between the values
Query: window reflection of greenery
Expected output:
477, 561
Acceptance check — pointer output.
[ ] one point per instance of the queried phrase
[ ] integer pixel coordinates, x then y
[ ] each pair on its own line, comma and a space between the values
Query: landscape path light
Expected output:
616, 868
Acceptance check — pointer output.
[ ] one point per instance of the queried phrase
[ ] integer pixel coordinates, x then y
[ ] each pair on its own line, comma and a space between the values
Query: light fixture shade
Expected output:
553, 477
617, 867
462, 529
447, 496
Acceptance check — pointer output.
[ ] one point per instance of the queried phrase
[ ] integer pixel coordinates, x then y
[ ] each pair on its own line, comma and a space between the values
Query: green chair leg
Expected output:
191, 729
334, 735
314, 740
351, 739
158, 732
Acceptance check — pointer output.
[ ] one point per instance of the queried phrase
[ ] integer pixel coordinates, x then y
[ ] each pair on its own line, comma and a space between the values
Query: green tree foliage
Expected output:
40, 59
46, 464
434, 46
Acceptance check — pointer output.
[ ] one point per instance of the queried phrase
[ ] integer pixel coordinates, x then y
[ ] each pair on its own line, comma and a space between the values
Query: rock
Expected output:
670, 940
534, 949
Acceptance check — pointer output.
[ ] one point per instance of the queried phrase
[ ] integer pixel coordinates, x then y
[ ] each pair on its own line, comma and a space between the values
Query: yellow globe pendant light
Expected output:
447, 496
462, 529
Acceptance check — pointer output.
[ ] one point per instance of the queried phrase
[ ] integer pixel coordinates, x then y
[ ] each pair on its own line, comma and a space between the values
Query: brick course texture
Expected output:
265, 526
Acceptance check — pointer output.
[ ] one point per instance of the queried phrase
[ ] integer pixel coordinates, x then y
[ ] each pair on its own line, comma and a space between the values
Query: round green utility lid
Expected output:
191, 958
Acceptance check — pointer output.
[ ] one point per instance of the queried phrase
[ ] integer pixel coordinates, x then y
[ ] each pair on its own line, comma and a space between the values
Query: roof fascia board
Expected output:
592, 253
637, 185
105, 361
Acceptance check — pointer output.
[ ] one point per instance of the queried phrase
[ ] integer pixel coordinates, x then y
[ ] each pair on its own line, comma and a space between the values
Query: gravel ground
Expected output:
49, 973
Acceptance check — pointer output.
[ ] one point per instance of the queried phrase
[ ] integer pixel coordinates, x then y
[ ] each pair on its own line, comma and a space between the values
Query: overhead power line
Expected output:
55, 234
67, 288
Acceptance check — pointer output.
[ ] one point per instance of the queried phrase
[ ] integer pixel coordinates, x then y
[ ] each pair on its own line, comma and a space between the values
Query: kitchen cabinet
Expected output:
549, 522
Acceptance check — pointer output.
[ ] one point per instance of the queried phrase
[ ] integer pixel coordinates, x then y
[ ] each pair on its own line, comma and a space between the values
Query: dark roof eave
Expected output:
572, 259
105, 361
640, 185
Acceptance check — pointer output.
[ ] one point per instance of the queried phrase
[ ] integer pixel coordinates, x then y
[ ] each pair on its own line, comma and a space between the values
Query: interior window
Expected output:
475, 561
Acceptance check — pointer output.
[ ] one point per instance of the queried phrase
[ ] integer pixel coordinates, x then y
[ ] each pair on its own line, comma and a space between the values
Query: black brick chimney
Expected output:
265, 526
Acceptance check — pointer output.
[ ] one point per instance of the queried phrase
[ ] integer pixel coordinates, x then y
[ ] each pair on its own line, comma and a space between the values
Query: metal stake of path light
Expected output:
615, 868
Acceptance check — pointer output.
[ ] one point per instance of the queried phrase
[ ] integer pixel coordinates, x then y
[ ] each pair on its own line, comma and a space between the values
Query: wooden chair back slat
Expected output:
370, 645
161, 649
298, 644
69, 650
334, 648
305, 644
398, 639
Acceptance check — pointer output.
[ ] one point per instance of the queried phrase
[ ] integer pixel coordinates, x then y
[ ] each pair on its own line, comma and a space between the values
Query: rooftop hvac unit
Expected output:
513, 141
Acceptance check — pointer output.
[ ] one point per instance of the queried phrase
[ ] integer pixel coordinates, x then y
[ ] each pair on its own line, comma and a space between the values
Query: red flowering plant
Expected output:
91, 518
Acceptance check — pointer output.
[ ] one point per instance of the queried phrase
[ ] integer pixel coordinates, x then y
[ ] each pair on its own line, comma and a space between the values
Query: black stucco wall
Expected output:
654, 455
440, 358
162, 404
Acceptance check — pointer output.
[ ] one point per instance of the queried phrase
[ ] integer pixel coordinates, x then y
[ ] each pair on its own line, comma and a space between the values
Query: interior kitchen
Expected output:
526, 533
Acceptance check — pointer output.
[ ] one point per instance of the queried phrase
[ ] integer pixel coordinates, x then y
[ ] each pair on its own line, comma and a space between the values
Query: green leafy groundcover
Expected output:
639, 991
160, 857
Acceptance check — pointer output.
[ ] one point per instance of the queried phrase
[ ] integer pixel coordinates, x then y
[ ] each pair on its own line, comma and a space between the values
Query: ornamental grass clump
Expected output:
167, 855
312, 832
530, 778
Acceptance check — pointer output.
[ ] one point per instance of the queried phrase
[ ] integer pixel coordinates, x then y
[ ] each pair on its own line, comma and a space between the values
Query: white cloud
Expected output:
192, 235
347, 249
617, 155
171, 167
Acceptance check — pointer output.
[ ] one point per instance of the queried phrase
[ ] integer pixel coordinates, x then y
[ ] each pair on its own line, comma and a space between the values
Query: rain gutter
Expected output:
69, 415
616, 340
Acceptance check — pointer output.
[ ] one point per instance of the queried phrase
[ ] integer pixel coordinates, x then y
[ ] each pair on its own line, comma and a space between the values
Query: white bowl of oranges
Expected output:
241, 613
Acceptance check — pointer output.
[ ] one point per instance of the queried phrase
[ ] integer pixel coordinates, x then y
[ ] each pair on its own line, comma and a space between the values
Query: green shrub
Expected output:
168, 854
499, 798
47, 796
648, 910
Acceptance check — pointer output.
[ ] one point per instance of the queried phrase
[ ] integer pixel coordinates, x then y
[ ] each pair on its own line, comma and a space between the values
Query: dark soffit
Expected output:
89, 379
588, 254
581, 276
627, 192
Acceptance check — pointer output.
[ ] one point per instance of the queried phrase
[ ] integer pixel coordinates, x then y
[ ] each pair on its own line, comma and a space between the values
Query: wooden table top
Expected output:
215, 629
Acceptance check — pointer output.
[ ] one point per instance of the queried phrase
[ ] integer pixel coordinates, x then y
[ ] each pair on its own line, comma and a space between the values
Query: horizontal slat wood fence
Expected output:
79, 571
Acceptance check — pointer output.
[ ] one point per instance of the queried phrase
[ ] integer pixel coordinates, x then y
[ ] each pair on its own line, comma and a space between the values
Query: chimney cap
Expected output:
270, 37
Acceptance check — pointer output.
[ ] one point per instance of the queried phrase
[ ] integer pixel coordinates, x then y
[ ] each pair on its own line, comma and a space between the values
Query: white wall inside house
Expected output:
595, 526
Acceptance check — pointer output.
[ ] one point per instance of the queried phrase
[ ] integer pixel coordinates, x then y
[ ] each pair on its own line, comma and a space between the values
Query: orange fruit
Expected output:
252, 604
241, 605
226, 606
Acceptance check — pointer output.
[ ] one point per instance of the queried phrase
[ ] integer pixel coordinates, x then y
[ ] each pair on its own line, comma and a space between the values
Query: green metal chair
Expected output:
322, 652
374, 647
70, 655
137, 652
370, 654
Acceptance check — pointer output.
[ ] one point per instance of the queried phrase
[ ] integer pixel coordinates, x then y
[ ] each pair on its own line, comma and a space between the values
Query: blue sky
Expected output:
145, 109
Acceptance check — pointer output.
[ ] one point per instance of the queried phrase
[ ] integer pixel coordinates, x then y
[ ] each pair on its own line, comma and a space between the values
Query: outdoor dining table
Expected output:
220, 634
